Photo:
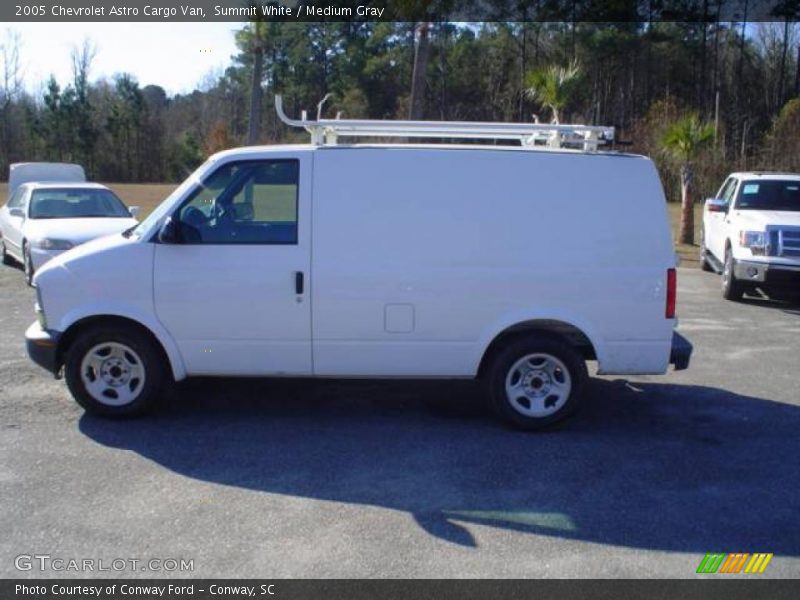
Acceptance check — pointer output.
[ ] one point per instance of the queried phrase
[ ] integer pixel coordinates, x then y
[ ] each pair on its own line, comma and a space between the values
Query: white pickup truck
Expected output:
751, 234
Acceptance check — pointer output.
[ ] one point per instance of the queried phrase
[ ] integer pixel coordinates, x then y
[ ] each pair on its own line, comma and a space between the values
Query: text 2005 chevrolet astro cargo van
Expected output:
512, 264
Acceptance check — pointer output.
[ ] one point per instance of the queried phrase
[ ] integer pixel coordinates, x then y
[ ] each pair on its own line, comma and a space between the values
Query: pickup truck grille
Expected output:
789, 242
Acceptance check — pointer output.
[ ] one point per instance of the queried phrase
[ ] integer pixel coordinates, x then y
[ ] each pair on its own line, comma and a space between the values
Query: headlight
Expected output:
52, 244
755, 240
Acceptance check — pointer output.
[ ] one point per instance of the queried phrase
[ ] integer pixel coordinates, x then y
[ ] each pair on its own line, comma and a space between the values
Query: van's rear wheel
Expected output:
536, 381
115, 371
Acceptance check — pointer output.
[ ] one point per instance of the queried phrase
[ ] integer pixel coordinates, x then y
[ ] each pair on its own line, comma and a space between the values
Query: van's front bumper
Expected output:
681, 352
42, 346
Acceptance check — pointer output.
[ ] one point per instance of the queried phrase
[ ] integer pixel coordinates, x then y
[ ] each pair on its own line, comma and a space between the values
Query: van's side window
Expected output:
247, 202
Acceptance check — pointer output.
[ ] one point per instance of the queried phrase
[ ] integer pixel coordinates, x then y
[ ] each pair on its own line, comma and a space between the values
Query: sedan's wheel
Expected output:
732, 289
27, 264
7, 260
115, 371
536, 381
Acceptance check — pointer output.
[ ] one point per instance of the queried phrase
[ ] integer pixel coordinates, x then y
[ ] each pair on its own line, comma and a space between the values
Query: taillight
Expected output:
672, 291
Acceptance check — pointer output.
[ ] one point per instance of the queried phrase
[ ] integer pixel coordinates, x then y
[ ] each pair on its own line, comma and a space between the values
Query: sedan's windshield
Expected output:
769, 194
76, 203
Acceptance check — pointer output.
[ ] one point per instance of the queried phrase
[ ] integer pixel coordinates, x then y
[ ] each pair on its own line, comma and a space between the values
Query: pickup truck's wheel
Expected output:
27, 264
115, 371
704, 264
536, 381
7, 260
732, 289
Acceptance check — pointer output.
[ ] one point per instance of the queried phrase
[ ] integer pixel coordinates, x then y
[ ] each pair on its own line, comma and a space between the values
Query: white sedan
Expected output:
42, 220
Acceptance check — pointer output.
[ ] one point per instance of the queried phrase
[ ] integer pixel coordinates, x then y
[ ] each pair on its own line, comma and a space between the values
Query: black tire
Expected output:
732, 289
145, 352
6, 257
704, 264
27, 264
502, 370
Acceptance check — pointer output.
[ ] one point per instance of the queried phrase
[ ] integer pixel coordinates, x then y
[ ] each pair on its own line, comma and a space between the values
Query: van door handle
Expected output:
298, 282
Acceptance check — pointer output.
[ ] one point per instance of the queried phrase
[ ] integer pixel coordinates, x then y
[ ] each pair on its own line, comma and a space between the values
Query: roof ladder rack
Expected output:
325, 132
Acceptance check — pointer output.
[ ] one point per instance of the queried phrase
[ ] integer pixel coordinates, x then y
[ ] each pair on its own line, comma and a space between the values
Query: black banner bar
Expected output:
399, 10
728, 588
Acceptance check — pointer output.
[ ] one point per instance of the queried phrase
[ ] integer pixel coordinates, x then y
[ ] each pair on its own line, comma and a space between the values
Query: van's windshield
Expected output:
769, 194
148, 226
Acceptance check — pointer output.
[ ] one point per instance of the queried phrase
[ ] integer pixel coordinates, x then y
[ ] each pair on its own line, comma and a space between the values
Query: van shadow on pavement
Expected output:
656, 466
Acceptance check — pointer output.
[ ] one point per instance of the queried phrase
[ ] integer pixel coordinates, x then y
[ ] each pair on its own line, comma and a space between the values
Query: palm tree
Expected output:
421, 53
683, 141
554, 86
251, 39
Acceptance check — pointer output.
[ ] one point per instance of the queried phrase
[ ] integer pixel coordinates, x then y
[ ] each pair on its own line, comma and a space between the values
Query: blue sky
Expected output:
176, 56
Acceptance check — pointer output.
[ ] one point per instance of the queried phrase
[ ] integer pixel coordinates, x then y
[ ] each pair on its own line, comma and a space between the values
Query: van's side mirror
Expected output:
169, 232
716, 205
16, 212
134, 210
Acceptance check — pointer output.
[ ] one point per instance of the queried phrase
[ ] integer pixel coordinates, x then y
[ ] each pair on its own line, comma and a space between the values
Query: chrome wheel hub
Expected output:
538, 385
113, 373
537, 382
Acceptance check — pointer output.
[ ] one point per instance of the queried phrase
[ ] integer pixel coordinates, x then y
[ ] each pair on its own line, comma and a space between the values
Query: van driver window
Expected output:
251, 202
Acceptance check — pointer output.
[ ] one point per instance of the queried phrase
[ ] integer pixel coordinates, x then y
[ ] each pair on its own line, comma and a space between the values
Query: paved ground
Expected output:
371, 479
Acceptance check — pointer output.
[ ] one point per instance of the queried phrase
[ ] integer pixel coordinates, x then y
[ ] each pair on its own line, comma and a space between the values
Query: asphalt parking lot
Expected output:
411, 479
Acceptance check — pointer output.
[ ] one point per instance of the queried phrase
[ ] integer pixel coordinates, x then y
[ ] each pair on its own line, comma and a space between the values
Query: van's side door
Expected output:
714, 222
232, 287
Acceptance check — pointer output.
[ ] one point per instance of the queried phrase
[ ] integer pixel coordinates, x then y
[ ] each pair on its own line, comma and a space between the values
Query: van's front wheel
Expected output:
114, 371
536, 381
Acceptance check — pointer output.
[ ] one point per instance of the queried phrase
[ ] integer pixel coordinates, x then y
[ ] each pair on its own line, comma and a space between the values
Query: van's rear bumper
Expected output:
42, 347
681, 352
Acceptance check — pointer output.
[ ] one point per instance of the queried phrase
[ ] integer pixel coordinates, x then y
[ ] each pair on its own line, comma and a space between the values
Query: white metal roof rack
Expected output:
529, 135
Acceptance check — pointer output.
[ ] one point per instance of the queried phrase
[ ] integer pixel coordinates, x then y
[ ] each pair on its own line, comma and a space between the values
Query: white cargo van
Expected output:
512, 264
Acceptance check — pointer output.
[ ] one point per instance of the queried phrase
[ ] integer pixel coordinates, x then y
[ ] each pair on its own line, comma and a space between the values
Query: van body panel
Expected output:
110, 276
414, 260
476, 241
